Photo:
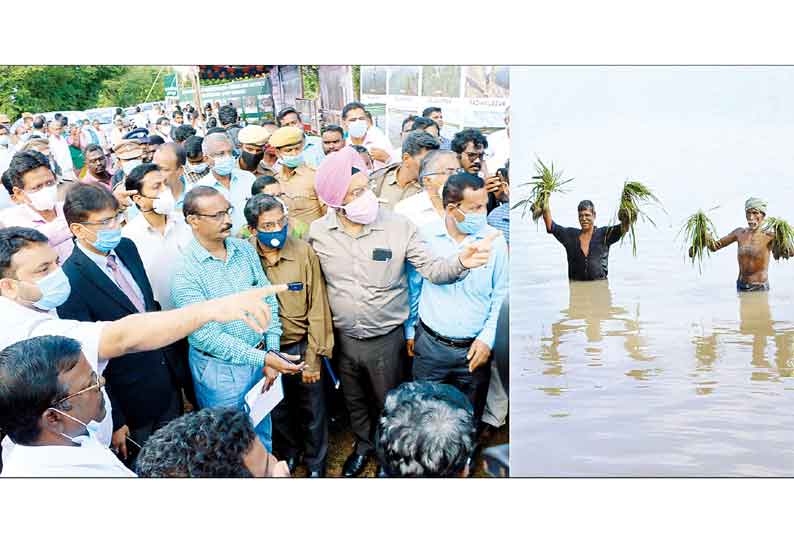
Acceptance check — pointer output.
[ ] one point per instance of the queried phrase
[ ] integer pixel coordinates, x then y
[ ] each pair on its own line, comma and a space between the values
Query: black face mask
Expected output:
250, 161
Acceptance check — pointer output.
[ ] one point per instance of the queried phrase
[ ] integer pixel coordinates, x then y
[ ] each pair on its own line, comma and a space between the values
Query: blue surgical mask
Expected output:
4, 140
107, 240
55, 290
275, 239
224, 166
198, 168
472, 222
358, 128
292, 161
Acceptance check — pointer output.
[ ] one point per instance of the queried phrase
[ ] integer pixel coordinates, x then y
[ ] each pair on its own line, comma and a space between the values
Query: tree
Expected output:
52, 88
132, 87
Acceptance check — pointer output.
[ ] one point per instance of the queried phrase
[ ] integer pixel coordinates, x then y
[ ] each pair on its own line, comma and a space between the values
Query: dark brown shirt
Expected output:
304, 314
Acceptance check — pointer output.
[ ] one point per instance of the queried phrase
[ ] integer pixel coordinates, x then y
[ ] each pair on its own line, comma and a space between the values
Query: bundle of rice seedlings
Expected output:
783, 237
699, 234
544, 184
634, 196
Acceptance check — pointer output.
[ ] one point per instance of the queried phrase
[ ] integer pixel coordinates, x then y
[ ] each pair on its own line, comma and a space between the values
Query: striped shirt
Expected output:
499, 218
204, 277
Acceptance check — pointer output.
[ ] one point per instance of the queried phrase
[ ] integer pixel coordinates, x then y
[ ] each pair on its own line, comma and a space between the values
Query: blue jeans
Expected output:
223, 384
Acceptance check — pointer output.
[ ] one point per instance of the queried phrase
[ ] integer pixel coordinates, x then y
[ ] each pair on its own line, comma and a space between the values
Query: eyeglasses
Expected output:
472, 156
217, 217
48, 184
221, 155
274, 226
112, 221
99, 383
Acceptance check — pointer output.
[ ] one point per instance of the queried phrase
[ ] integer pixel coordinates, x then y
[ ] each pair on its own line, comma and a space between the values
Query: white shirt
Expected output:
418, 209
238, 193
161, 254
498, 151
89, 460
60, 151
376, 139
18, 323
5, 160
101, 263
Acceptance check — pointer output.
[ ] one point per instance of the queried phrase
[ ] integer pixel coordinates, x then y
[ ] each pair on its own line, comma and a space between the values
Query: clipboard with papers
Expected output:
259, 403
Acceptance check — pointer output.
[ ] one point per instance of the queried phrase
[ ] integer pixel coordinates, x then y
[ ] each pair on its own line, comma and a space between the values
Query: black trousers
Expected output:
300, 421
435, 361
368, 370
141, 434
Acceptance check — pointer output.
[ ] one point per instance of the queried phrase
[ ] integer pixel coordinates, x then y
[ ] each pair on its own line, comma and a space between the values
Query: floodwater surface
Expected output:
663, 370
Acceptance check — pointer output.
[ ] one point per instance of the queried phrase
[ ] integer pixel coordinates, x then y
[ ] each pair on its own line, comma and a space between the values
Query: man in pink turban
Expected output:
363, 250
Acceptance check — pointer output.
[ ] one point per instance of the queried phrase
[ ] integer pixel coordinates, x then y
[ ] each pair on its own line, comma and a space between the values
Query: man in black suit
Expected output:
108, 282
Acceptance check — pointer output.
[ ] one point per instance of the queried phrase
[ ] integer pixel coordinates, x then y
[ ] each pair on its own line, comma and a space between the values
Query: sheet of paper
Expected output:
260, 404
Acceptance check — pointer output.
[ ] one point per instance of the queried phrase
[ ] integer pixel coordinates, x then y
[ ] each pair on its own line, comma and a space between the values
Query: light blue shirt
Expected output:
470, 307
203, 277
101, 262
238, 193
313, 153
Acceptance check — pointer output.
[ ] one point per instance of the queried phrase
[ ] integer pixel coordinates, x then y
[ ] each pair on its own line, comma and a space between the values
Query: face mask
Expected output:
55, 290
44, 199
127, 167
5, 140
472, 223
93, 427
107, 240
197, 168
224, 167
165, 203
292, 161
252, 160
357, 128
275, 239
363, 209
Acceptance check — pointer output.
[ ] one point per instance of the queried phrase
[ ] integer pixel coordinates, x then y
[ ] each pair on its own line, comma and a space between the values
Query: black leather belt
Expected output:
459, 343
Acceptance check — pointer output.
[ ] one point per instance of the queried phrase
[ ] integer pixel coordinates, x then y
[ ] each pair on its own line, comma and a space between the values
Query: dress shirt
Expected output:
365, 275
376, 139
161, 254
499, 218
390, 191
101, 261
418, 209
202, 277
313, 154
302, 202
468, 308
304, 314
88, 177
62, 154
89, 460
238, 193
57, 231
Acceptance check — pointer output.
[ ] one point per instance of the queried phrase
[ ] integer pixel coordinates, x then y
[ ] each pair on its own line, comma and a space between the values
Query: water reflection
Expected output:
592, 313
755, 328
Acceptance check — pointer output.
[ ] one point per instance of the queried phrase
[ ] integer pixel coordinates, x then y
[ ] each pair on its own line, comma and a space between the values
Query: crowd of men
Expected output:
185, 257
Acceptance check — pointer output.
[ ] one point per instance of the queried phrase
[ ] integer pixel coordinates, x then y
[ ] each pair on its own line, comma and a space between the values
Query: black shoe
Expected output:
354, 465
292, 463
318, 473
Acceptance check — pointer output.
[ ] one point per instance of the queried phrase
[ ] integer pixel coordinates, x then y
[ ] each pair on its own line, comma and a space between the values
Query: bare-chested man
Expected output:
754, 248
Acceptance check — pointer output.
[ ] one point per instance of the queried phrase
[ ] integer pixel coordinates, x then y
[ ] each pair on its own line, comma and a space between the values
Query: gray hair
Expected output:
428, 164
214, 138
417, 140
426, 430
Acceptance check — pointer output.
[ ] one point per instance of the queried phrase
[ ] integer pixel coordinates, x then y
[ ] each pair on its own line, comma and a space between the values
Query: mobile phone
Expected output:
295, 286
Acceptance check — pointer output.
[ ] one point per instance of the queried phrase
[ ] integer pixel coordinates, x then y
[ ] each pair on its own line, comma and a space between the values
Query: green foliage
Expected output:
311, 82
544, 184
132, 86
632, 199
357, 82
699, 235
52, 88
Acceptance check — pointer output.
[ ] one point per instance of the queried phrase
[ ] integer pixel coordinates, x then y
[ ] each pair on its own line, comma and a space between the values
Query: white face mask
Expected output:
358, 128
165, 203
44, 199
94, 429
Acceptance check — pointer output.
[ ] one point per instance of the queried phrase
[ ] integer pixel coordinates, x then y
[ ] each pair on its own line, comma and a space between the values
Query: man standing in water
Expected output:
754, 248
587, 248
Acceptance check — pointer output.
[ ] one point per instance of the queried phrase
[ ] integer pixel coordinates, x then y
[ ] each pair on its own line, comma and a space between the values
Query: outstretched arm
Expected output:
732, 237
547, 217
